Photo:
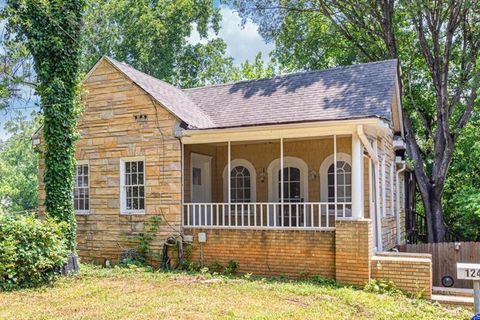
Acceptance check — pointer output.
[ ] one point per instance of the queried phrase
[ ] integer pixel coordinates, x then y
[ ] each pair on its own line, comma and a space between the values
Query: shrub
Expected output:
382, 287
231, 268
32, 251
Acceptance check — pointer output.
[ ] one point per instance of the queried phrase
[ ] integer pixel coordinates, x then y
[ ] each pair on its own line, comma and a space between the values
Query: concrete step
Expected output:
461, 292
452, 300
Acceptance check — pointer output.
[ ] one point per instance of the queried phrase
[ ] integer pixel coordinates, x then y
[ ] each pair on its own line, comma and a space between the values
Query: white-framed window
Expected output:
132, 185
81, 188
295, 175
291, 184
344, 182
241, 189
344, 178
242, 181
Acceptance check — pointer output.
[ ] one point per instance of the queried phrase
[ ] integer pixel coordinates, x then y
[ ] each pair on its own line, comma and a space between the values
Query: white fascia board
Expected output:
269, 132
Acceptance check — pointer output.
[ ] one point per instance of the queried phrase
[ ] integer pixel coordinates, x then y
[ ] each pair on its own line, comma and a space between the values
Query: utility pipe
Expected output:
404, 166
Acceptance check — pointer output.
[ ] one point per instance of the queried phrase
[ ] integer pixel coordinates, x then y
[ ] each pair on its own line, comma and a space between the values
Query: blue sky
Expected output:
243, 43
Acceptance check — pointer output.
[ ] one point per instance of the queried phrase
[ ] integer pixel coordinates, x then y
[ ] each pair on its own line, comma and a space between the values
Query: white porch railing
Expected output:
265, 215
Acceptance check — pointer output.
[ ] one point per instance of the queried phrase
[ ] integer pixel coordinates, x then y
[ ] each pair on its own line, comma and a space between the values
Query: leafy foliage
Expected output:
462, 190
436, 43
32, 251
152, 36
51, 32
18, 167
146, 237
382, 287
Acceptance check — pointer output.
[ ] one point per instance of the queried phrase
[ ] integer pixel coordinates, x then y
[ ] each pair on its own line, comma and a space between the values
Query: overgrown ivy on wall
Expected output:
51, 29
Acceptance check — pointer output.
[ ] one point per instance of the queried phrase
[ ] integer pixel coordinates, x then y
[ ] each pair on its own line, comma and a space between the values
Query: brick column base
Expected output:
353, 251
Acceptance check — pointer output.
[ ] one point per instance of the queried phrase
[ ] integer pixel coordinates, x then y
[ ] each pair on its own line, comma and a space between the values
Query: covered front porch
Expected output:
297, 177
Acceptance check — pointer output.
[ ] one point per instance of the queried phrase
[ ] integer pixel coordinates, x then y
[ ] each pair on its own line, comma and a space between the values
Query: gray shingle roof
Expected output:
167, 95
352, 92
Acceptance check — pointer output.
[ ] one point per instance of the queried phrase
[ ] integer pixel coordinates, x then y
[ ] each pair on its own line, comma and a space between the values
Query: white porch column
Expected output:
182, 197
357, 178
281, 172
335, 174
229, 174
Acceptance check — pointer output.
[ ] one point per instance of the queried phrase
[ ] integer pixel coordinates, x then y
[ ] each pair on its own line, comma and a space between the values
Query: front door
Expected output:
201, 188
201, 179
292, 211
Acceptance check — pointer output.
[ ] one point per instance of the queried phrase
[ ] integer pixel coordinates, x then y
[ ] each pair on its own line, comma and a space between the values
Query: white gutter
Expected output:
366, 143
404, 166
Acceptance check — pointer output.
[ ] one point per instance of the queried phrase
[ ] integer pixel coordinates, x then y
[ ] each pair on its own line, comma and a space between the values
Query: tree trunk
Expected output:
432, 204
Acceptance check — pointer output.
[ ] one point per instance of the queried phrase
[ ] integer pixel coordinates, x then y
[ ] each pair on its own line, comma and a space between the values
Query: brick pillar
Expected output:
353, 251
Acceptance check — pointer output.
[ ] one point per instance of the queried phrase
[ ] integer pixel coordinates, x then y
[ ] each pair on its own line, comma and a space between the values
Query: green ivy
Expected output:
51, 30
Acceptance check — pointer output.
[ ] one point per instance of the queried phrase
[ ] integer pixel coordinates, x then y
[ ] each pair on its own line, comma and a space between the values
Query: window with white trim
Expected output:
133, 186
240, 185
344, 182
242, 182
81, 192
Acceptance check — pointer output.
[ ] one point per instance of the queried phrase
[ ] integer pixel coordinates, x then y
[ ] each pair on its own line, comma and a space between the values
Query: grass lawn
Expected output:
137, 294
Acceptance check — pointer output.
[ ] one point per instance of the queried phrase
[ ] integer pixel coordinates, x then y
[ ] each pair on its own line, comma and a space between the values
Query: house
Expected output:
300, 174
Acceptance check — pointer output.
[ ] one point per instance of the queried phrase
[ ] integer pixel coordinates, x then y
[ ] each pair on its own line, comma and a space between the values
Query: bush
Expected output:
382, 287
32, 251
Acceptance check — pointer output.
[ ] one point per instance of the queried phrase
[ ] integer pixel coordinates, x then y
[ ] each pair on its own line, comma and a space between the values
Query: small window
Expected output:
197, 176
81, 192
133, 186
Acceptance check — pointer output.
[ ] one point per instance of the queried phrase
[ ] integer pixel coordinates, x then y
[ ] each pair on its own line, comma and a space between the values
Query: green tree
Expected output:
152, 36
51, 31
18, 166
437, 43
257, 69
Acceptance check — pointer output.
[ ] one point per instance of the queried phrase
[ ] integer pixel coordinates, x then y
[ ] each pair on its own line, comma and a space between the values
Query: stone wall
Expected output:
110, 132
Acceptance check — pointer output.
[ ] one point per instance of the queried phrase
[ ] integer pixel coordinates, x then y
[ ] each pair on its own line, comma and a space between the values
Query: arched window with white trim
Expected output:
295, 180
242, 182
240, 185
344, 182
344, 178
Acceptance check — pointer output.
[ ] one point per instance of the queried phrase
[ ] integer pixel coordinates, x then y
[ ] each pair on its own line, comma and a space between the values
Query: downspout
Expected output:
404, 166
373, 152
378, 217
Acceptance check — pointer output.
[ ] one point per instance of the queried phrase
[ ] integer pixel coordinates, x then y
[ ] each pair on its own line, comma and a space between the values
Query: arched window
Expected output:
240, 185
344, 182
344, 178
242, 181
295, 176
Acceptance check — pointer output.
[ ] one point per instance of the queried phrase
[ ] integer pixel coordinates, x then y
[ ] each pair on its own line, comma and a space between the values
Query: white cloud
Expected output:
243, 43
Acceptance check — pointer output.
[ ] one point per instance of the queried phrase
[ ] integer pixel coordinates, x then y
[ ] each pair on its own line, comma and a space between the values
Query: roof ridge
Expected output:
135, 69
289, 75
181, 114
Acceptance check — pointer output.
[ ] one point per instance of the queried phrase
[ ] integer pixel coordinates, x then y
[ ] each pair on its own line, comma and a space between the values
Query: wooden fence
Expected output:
444, 258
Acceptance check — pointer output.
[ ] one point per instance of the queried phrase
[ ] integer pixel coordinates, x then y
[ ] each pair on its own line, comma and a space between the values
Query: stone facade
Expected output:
111, 130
